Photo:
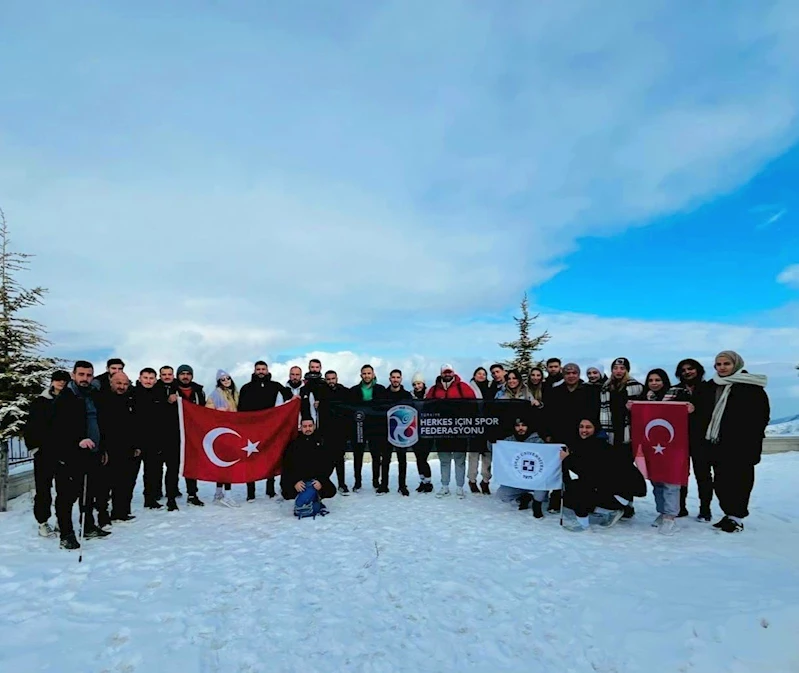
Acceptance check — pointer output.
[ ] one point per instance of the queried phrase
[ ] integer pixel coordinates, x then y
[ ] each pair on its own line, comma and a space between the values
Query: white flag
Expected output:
533, 467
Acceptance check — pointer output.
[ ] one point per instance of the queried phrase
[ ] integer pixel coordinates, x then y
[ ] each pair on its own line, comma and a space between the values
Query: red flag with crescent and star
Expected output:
660, 441
235, 447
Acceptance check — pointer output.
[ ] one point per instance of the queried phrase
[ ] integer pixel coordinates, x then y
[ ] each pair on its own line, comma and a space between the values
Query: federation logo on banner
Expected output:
525, 465
403, 426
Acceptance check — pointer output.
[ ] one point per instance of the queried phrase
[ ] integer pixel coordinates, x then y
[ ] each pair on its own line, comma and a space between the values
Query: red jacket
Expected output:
457, 390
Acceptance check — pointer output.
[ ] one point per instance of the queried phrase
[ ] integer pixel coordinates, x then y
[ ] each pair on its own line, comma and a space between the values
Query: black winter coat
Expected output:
608, 469
378, 392
334, 428
70, 427
156, 419
117, 419
399, 395
259, 394
38, 432
564, 410
306, 458
743, 425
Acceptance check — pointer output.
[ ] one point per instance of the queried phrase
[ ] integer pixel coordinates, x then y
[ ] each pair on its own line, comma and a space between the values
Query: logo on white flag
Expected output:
526, 465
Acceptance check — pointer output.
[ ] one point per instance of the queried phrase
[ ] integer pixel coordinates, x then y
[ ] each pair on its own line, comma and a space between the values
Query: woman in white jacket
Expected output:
225, 397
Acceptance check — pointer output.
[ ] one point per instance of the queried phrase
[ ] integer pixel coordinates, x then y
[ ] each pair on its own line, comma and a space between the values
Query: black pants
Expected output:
154, 461
385, 466
191, 487
421, 463
358, 452
123, 472
734, 483
220, 484
69, 484
703, 473
338, 448
328, 490
584, 497
43, 476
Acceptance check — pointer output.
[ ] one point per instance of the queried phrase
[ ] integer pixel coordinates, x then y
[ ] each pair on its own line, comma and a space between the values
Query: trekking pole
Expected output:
82, 521
562, 494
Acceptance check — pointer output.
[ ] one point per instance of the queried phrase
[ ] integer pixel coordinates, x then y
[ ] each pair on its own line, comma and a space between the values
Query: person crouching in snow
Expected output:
522, 432
307, 463
225, 397
598, 478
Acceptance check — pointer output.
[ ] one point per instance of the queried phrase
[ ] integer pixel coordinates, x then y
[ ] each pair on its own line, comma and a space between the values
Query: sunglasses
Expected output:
225, 378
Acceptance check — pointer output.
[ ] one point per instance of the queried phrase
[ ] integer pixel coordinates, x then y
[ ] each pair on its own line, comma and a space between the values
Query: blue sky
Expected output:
219, 182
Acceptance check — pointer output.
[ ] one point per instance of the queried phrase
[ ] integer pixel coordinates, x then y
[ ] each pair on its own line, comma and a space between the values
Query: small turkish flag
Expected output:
235, 447
660, 439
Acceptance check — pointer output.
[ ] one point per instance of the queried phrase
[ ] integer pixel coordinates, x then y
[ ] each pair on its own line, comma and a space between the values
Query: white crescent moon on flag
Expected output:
659, 422
208, 446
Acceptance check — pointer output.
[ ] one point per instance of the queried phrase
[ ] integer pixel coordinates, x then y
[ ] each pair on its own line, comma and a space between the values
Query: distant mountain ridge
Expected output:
782, 427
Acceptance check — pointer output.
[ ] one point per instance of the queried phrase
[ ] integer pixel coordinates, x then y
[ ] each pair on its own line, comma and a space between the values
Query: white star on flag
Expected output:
251, 448
659, 449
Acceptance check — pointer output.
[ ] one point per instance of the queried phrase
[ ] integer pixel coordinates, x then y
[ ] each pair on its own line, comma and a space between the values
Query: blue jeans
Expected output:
667, 498
512, 494
446, 458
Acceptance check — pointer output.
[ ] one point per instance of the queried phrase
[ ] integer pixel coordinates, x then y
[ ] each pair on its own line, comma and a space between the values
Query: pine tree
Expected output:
24, 372
524, 347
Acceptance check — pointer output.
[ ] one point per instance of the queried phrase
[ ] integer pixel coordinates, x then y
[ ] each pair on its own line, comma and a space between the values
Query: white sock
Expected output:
737, 519
622, 500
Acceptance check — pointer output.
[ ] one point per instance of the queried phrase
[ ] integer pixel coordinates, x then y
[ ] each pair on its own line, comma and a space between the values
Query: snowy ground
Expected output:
406, 584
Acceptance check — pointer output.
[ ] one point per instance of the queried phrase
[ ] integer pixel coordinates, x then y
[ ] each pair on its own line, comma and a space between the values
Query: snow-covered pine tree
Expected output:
23, 370
525, 346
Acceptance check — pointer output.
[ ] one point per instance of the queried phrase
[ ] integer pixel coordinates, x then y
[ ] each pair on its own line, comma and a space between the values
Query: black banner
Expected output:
402, 425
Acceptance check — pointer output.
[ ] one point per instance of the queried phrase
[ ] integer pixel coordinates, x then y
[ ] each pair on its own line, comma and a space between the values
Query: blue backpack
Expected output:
307, 503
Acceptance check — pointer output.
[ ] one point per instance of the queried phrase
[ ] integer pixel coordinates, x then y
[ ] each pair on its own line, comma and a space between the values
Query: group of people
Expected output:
90, 435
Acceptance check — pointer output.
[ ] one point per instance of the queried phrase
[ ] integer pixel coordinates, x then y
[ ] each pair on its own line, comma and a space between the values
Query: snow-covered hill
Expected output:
784, 426
391, 584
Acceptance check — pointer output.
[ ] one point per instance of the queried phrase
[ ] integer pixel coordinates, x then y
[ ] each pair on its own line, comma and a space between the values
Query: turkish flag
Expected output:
235, 447
660, 441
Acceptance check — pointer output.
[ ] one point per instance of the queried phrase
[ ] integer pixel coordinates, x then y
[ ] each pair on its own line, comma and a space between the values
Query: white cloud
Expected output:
373, 189
789, 276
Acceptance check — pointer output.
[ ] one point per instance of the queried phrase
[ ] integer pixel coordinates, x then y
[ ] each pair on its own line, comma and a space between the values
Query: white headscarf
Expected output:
738, 376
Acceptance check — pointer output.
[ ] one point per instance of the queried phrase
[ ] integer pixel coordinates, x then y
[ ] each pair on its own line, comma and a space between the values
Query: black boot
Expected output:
554, 502
705, 516
69, 542
629, 512
270, 488
171, 505
421, 487
473, 487
683, 497
524, 501
194, 500
538, 510
103, 519
152, 504
403, 490
484, 488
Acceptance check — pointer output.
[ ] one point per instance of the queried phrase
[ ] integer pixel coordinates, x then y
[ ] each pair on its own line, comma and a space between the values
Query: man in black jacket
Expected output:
191, 393
260, 393
307, 459
103, 382
395, 393
335, 429
118, 439
76, 443
158, 436
567, 403
40, 442
366, 391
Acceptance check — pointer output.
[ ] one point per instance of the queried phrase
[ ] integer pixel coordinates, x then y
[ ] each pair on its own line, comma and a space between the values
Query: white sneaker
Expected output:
667, 527
459, 492
443, 492
656, 523
228, 501
46, 530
